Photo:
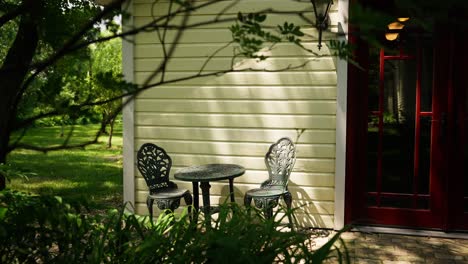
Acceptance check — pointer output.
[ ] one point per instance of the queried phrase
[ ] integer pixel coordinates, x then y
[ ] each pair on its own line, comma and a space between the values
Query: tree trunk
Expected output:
111, 124
2, 160
4, 137
13, 72
62, 130
2, 181
104, 122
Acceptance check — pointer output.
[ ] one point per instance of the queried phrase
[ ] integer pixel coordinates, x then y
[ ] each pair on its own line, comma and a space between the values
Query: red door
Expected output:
457, 149
414, 167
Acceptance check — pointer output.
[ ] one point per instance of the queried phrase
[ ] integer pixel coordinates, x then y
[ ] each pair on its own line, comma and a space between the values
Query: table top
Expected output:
209, 172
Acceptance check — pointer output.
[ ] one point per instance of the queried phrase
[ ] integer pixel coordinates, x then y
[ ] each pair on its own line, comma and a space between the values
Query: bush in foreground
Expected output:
45, 229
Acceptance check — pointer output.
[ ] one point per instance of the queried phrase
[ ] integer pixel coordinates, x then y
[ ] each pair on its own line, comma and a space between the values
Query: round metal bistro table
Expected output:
203, 174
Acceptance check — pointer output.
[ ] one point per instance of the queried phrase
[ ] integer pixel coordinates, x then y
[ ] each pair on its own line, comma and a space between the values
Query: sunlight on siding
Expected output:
234, 117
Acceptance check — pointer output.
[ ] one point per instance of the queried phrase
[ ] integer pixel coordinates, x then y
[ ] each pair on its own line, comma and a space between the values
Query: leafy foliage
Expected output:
10, 172
47, 229
89, 75
340, 49
252, 36
7, 32
45, 62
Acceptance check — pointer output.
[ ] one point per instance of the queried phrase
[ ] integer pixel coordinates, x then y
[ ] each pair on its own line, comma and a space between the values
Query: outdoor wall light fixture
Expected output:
321, 8
395, 28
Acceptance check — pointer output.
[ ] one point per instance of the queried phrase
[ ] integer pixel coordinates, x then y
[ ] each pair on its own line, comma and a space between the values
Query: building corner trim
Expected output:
341, 113
128, 118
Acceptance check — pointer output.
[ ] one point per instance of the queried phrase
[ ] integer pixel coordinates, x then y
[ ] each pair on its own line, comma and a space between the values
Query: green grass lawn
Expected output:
94, 172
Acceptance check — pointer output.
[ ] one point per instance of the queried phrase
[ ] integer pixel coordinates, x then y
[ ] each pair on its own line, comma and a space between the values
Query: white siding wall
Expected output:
234, 118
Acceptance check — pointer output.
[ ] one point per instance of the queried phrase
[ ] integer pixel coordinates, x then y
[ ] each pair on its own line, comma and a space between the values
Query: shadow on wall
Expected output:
307, 213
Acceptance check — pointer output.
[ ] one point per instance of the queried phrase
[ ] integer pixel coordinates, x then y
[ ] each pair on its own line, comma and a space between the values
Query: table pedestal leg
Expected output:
231, 190
196, 204
205, 187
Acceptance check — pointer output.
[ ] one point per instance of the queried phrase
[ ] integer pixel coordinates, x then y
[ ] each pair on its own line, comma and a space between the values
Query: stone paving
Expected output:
370, 248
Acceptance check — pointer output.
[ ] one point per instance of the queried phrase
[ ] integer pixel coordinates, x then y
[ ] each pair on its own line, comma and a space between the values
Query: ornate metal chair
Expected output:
279, 161
154, 164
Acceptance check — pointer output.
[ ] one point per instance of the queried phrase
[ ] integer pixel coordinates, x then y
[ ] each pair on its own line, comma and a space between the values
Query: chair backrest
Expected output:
280, 160
154, 164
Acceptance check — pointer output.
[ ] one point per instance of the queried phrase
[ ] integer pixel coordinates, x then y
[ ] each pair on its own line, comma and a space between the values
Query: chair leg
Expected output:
288, 200
269, 203
149, 204
268, 211
266, 204
188, 201
247, 200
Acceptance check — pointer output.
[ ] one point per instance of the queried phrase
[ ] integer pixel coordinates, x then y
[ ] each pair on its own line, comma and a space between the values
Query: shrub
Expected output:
45, 229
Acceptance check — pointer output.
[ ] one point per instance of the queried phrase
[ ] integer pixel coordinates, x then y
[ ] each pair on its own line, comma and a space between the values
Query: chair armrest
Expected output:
172, 185
265, 183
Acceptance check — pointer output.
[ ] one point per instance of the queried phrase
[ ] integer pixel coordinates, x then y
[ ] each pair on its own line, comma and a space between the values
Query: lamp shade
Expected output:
321, 7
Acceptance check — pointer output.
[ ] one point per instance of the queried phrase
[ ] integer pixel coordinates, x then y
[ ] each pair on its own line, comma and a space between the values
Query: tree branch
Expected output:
162, 38
11, 15
212, 56
74, 44
169, 53
65, 145
131, 95
75, 38
54, 148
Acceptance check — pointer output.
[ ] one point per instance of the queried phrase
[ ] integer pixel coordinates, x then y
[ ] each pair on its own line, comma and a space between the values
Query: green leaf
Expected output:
240, 17
3, 211
321, 254
297, 31
58, 198
260, 17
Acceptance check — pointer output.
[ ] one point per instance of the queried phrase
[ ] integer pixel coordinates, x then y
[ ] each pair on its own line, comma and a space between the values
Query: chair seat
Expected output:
169, 193
266, 192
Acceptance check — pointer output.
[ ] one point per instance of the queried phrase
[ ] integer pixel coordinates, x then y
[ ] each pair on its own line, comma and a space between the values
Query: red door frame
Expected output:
356, 124
457, 129
446, 82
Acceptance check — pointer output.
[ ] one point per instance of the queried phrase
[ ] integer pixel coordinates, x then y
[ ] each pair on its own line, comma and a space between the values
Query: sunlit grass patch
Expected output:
94, 172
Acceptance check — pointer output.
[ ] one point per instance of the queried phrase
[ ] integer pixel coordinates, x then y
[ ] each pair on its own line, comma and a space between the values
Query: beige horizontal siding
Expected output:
255, 163
303, 217
225, 63
305, 206
226, 20
238, 106
254, 177
146, 8
197, 50
212, 36
219, 192
238, 148
236, 120
234, 117
157, 133
325, 78
264, 92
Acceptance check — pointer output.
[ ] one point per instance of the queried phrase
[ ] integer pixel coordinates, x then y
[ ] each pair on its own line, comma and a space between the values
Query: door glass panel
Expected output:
398, 126
373, 123
394, 179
